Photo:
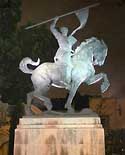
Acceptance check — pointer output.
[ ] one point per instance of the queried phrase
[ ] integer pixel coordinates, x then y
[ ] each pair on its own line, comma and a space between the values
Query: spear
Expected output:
66, 14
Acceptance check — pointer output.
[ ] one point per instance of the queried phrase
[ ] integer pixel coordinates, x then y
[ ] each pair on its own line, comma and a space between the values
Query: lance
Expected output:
66, 14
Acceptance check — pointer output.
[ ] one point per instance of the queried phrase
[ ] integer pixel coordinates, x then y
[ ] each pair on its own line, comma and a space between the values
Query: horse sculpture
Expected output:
90, 52
71, 67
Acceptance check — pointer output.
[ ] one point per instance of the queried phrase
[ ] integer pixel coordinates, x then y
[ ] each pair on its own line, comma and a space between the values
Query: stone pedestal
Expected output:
59, 135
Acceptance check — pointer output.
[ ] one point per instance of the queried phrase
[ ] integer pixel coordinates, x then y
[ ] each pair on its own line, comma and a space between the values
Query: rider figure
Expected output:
64, 52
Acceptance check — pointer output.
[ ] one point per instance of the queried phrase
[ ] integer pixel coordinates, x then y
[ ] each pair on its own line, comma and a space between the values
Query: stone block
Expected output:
59, 135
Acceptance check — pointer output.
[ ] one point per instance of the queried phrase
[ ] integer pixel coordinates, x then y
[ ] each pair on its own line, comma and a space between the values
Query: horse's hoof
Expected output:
104, 87
49, 107
29, 113
66, 106
70, 110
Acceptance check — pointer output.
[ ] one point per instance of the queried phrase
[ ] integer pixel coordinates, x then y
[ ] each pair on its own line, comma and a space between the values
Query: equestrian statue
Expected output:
71, 67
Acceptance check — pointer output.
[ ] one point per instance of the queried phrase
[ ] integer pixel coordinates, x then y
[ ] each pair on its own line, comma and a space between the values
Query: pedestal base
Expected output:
59, 135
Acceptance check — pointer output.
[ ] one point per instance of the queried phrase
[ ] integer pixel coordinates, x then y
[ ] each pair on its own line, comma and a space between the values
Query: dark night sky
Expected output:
106, 21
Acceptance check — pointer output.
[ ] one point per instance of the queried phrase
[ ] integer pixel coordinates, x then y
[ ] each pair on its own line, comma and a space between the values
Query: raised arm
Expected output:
62, 40
54, 31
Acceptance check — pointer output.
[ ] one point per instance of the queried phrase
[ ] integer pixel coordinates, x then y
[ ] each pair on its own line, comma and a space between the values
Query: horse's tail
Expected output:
24, 62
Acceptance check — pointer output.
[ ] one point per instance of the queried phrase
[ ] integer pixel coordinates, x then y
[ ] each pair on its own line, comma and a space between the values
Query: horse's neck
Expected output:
87, 55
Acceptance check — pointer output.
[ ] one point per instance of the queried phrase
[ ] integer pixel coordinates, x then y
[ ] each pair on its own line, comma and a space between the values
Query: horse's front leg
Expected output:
105, 84
95, 78
72, 92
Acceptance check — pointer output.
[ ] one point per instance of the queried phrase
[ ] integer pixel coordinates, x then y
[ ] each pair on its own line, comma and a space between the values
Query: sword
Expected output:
66, 14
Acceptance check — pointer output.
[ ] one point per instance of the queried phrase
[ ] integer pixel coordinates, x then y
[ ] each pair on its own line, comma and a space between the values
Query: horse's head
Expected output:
99, 51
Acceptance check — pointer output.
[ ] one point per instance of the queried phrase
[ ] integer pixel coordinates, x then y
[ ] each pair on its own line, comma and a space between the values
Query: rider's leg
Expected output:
68, 75
68, 68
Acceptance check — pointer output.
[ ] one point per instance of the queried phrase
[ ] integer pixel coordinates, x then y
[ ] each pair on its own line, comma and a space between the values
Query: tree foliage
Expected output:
36, 43
15, 44
10, 15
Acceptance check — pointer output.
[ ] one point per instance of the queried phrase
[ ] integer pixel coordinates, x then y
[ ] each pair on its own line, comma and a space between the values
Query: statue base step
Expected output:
50, 134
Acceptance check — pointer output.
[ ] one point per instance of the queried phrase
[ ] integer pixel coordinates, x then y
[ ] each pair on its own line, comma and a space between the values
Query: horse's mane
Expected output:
91, 46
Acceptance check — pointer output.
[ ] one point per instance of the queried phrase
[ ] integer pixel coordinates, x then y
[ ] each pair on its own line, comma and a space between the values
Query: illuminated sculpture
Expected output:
70, 68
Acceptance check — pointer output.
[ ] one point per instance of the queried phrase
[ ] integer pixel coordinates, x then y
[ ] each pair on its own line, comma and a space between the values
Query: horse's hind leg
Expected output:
105, 84
42, 85
46, 100
28, 106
